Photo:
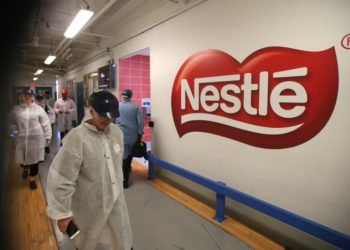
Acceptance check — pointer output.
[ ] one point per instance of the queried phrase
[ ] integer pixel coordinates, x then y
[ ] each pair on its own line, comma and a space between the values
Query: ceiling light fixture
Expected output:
78, 22
50, 59
38, 72
35, 78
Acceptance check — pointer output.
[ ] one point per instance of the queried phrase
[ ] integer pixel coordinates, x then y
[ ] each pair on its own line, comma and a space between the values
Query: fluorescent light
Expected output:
38, 72
50, 59
35, 78
78, 22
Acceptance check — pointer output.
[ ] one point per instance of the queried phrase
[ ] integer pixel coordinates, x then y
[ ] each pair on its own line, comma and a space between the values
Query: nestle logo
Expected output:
276, 98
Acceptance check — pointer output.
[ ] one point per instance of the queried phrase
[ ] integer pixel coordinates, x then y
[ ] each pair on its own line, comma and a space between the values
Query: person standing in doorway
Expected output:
34, 133
84, 182
64, 108
132, 125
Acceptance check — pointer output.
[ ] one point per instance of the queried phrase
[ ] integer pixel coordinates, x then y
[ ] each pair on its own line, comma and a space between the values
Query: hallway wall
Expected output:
134, 74
301, 178
309, 179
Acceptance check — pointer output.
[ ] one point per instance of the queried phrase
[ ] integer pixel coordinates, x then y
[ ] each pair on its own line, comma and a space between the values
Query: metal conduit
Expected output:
66, 42
105, 53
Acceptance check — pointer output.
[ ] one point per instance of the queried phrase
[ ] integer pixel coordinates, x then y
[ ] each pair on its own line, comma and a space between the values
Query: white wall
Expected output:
314, 174
311, 179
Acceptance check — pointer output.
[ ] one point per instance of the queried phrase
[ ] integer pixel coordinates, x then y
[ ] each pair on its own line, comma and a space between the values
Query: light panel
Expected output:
38, 72
78, 22
50, 59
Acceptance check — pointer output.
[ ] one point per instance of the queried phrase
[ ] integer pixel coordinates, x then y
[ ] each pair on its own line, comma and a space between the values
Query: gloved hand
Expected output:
139, 138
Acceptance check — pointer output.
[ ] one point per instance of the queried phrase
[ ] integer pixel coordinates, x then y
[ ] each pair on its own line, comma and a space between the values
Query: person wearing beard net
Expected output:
85, 180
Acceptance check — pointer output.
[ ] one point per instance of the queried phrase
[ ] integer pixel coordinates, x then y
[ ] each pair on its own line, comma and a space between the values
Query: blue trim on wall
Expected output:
313, 228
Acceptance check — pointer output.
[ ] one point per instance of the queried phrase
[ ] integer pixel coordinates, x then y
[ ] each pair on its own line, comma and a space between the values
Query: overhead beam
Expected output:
83, 32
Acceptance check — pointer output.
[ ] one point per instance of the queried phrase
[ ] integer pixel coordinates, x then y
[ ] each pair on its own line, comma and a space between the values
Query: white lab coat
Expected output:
85, 181
50, 101
63, 120
50, 112
34, 131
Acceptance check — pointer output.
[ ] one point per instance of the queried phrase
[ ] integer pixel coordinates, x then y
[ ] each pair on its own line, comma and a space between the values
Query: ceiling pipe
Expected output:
83, 33
66, 42
59, 46
69, 56
106, 52
47, 69
175, 14
66, 52
34, 31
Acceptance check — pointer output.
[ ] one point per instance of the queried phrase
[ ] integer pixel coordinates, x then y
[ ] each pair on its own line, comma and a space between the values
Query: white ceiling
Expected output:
114, 21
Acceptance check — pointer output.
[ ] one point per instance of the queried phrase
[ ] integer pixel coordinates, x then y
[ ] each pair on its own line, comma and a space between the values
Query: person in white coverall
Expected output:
34, 133
85, 179
64, 108
48, 100
40, 100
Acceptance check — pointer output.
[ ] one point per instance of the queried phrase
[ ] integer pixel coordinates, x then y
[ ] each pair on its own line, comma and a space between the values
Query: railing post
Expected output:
220, 206
150, 169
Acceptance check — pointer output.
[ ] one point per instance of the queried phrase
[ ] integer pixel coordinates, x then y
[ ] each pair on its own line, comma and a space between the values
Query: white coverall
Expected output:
85, 181
51, 114
49, 101
63, 120
34, 131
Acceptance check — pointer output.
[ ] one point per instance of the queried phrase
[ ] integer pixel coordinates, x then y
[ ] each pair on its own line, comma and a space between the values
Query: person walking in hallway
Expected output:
34, 133
48, 99
84, 182
132, 125
39, 99
64, 108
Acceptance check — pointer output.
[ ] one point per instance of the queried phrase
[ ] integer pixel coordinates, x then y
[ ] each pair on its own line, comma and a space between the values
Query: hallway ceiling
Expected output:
114, 21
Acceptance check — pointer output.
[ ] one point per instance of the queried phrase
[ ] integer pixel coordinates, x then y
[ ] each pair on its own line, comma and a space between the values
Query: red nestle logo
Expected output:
276, 98
345, 42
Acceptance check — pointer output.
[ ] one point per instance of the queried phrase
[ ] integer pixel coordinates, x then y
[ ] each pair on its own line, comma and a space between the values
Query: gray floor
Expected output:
158, 222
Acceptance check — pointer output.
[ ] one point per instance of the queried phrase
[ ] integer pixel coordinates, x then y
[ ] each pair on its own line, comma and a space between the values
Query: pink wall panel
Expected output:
134, 74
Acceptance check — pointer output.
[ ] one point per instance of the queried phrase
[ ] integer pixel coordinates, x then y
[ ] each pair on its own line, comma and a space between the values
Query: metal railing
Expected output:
313, 228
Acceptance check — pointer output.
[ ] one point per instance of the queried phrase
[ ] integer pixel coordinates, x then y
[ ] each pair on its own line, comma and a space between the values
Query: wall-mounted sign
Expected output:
345, 42
276, 98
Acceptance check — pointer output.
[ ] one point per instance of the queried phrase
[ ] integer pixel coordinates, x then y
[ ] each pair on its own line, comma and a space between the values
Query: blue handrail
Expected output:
313, 228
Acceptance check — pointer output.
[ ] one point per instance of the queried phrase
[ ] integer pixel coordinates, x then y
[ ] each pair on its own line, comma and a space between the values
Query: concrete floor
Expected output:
158, 222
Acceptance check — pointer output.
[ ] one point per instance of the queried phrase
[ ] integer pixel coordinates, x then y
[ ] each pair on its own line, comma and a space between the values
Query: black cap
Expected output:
105, 104
127, 93
28, 91
39, 97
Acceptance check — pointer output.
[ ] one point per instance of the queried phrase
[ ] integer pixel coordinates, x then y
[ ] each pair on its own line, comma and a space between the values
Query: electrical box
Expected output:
146, 106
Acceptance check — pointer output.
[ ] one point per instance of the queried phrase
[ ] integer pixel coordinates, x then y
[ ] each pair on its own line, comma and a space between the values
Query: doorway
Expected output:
134, 74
